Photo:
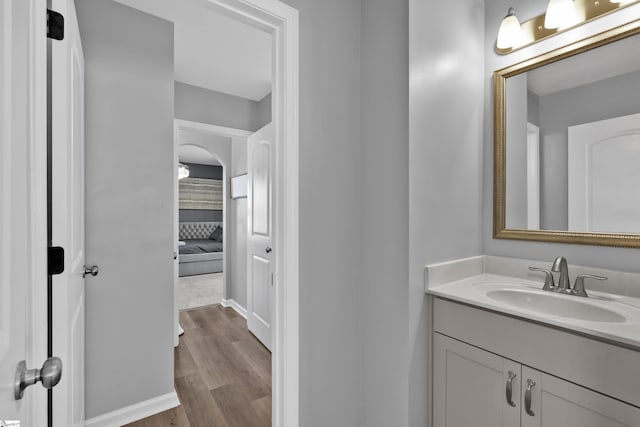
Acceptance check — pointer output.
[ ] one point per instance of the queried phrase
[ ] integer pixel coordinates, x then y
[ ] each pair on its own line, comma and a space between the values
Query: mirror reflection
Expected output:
573, 143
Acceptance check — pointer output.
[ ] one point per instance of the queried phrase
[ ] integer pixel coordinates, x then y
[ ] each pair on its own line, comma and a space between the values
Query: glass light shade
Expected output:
510, 32
560, 14
183, 171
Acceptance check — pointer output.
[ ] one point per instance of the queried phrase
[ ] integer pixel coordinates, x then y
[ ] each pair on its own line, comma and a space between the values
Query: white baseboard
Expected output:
135, 412
234, 304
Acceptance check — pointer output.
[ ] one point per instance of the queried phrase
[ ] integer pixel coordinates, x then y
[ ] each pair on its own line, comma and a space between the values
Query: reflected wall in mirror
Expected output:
567, 143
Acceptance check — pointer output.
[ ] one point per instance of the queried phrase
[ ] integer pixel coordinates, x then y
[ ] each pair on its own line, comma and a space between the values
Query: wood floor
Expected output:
222, 373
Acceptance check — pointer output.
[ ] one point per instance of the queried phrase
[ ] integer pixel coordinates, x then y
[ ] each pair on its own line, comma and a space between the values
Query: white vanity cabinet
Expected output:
473, 369
471, 389
470, 386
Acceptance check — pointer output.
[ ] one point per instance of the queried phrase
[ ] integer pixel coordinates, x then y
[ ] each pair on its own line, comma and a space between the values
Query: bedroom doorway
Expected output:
201, 220
208, 257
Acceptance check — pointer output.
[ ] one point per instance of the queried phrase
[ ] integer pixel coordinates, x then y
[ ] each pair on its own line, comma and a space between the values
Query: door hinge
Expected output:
55, 25
271, 279
55, 258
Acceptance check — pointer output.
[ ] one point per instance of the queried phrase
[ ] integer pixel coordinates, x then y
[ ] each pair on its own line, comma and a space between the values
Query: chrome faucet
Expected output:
560, 266
564, 287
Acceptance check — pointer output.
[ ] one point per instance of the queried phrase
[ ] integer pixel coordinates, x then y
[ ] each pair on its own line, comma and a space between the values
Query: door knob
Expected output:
49, 375
268, 249
93, 270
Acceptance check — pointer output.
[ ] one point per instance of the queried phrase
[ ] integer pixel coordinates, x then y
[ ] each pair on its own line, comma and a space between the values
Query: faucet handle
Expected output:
549, 283
578, 287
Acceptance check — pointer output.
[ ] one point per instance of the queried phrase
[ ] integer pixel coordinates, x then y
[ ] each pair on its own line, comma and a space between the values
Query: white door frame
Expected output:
182, 125
281, 20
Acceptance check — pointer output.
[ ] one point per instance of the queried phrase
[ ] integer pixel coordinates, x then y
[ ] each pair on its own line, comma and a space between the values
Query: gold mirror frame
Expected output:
499, 155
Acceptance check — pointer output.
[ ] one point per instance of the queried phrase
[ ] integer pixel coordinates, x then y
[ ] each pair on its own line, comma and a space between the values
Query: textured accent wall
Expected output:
203, 215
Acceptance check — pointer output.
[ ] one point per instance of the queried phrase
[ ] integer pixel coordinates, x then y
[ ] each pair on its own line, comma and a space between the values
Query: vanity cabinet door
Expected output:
470, 386
555, 402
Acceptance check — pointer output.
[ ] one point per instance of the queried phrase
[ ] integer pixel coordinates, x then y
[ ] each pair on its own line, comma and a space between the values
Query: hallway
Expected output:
222, 373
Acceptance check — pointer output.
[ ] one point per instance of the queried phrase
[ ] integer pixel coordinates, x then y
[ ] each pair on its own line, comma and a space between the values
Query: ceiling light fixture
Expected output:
183, 171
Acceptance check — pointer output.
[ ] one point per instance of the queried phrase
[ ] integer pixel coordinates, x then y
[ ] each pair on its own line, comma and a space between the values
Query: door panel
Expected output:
260, 294
67, 174
556, 402
13, 249
23, 238
603, 175
470, 386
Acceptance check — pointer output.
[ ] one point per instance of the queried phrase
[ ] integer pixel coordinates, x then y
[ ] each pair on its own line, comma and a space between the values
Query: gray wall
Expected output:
445, 161
330, 243
237, 230
206, 106
198, 215
613, 258
385, 211
615, 98
129, 117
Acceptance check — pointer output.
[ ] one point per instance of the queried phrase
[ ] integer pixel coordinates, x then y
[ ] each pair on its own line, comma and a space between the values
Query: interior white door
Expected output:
604, 175
67, 225
23, 274
260, 265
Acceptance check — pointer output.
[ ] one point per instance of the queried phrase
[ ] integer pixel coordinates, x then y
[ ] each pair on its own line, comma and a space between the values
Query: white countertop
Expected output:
472, 290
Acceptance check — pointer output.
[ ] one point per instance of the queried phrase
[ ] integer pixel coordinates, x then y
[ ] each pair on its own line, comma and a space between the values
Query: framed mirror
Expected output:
567, 143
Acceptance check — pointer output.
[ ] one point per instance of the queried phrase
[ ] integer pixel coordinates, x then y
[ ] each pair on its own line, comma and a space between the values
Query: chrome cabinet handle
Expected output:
511, 377
527, 397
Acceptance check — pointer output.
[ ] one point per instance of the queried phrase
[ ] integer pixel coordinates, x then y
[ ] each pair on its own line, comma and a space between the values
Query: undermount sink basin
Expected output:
555, 305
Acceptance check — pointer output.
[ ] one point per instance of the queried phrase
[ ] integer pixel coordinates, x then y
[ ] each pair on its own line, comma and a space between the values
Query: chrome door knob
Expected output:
93, 270
268, 249
49, 375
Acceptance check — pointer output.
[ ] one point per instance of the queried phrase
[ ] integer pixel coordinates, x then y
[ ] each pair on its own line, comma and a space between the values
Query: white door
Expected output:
67, 173
473, 387
23, 226
555, 402
260, 265
604, 175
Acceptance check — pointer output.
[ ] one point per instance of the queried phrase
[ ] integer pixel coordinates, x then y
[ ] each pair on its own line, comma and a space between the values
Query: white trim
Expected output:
37, 175
135, 412
235, 305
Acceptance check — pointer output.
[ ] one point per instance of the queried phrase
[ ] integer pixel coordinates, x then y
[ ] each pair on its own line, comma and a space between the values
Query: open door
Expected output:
23, 226
260, 265
67, 216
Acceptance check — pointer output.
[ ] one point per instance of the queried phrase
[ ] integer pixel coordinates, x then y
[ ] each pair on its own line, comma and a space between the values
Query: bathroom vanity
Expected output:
506, 353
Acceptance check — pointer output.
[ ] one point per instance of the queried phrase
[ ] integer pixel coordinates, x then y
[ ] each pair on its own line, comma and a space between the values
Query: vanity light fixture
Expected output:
183, 171
510, 33
560, 16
